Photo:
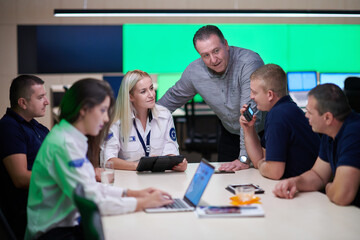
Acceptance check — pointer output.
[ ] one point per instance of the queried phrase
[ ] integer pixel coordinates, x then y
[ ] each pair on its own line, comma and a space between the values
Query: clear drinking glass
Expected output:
108, 173
245, 193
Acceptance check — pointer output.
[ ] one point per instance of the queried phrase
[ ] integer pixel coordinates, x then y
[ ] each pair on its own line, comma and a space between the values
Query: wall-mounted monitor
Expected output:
69, 49
301, 81
115, 82
299, 84
336, 78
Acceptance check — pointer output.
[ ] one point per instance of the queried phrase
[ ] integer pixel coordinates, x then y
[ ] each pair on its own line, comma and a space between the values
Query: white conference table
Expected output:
308, 216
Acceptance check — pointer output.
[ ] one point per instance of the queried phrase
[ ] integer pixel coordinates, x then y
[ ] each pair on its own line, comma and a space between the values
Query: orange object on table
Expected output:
236, 201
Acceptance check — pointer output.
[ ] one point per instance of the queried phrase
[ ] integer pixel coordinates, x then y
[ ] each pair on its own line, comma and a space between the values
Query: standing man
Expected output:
222, 78
337, 168
288, 147
20, 139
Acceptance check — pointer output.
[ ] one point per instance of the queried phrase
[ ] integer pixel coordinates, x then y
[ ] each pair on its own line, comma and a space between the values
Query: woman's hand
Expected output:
156, 198
181, 167
98, 174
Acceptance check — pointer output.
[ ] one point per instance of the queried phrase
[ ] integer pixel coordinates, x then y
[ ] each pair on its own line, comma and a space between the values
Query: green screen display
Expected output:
166, 81
167, 49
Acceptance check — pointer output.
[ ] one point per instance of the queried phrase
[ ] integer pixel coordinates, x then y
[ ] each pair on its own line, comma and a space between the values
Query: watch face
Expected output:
243, 159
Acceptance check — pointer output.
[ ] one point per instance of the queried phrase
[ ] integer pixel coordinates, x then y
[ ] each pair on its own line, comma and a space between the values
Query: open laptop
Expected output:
193, 194
299, 84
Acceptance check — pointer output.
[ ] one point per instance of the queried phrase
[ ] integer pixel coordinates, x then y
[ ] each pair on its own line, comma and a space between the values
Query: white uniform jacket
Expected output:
60, 164
162, 138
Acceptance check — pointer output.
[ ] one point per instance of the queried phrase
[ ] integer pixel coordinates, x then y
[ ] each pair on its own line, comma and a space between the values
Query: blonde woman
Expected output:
141, 127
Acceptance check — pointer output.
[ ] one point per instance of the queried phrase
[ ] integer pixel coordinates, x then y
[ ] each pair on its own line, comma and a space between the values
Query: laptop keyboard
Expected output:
301, 97
178, 203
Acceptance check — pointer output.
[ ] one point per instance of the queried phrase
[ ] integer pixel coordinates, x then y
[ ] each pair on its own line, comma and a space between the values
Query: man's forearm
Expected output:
271, 169
253, 146
309, 181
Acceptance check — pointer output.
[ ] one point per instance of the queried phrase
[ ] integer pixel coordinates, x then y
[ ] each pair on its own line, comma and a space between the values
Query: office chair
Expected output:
90, 216
57, 92
352, 92
202, 132
6, 233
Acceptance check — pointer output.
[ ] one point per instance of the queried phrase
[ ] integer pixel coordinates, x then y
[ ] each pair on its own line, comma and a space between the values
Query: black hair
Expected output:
330, 98
21, 88
206, 31
87, 93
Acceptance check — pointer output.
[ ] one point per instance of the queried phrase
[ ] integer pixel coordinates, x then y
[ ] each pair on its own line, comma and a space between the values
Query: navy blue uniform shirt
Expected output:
288, 138
345, 149
17, 136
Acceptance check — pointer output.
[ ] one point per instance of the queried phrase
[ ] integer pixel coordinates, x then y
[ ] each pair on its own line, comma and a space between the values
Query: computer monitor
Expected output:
301, 81
336, 78
115, 82
52, 49
299, 84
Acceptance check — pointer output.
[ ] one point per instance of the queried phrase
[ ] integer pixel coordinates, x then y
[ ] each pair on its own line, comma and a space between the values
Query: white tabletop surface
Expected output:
308, 216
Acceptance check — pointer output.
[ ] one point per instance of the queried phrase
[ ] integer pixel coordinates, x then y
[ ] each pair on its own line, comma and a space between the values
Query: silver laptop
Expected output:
300, 98
193, 194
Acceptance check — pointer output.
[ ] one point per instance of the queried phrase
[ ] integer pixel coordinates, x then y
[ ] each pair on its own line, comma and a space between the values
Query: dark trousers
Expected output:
229, 146
71, 233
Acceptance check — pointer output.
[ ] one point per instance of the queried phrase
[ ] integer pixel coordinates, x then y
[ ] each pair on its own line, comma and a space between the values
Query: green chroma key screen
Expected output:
167, 49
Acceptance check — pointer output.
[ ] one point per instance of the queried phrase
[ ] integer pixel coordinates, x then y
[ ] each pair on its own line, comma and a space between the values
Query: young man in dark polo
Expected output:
20, 139
289, 147
337, 168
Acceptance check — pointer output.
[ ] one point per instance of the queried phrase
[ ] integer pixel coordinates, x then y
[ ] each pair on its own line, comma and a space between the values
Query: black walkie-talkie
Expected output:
249, 113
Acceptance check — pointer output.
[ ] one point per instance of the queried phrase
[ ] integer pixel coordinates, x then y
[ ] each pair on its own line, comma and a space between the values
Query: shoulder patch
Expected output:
77, 163
109, 136
172, 134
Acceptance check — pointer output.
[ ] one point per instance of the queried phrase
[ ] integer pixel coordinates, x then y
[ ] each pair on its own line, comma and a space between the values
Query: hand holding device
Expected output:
249, 113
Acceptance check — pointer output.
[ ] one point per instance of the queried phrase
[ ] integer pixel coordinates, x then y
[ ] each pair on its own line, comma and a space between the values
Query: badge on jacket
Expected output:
109, 136
173, 134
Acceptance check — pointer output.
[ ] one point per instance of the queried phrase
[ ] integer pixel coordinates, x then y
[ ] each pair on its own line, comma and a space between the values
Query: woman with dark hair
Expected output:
62, 163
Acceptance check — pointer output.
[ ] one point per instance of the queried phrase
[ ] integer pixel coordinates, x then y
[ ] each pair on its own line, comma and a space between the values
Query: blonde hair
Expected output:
123, 107
272, 77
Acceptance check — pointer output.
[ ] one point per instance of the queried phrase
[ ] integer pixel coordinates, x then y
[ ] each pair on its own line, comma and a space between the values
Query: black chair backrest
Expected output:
5, 230
352, 92
202, 131
352, 83
90, 215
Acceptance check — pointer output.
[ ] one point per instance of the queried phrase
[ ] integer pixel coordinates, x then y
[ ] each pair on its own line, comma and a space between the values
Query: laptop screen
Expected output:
301, 81
336, 78
199, 182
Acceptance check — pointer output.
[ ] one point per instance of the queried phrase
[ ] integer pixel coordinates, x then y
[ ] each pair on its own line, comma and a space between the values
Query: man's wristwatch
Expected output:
245, 159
